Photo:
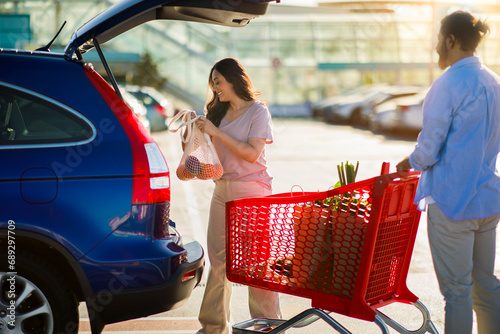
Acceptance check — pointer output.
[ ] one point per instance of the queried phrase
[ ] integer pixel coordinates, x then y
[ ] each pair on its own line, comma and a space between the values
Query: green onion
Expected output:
347, 173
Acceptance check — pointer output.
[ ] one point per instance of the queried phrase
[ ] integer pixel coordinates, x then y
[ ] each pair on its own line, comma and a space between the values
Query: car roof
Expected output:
128, 14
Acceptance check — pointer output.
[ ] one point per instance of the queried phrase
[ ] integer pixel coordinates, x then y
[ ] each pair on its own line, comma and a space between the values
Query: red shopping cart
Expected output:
347, 249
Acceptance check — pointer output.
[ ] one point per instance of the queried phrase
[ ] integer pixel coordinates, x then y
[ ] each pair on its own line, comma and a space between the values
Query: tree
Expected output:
147, 74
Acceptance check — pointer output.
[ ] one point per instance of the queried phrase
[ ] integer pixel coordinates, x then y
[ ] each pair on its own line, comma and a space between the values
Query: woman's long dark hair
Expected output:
232, 70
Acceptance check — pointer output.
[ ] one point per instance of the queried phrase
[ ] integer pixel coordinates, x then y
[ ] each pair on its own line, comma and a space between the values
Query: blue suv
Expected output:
84, 189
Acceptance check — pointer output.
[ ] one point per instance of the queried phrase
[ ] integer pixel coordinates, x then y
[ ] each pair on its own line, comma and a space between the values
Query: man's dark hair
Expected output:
467, 30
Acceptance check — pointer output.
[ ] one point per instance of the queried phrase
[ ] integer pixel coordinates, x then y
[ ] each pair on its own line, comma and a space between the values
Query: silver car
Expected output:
158, 107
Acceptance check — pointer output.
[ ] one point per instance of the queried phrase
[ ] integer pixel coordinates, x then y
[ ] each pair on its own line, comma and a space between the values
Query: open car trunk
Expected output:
129, 14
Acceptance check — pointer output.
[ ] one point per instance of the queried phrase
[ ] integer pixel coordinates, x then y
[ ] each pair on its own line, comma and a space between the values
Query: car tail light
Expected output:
160, 110
403, 108
151, 177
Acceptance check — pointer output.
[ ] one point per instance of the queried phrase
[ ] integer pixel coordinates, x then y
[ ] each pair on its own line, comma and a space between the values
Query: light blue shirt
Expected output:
457, 148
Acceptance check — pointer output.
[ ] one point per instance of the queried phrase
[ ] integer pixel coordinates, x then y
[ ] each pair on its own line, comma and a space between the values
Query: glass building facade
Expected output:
294, 55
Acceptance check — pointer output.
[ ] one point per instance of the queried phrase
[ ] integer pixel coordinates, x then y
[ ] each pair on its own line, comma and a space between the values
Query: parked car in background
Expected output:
137, 107
339, 109
409, 115
383, 119
387, 96
383, 116
317, 108
158, 107
85, 190
354, 109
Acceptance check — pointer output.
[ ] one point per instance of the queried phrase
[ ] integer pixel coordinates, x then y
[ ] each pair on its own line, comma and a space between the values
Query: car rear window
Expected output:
28, 118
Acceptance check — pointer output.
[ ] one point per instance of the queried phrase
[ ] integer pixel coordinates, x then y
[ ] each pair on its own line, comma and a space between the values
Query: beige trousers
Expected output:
215, 308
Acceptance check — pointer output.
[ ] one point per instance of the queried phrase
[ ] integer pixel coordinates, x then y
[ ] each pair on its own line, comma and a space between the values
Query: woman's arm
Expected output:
249, 151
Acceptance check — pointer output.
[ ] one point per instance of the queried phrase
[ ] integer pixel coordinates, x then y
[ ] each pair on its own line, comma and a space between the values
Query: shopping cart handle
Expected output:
385, 168
407, 173
383, 180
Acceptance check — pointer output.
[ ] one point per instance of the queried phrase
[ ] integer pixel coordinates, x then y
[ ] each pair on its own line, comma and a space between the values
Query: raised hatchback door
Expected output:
128, 14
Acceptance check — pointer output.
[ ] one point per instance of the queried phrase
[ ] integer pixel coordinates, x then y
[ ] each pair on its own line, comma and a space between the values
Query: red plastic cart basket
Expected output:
347, 249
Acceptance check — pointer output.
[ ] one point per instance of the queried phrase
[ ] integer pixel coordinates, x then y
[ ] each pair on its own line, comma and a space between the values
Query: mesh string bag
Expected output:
199, 160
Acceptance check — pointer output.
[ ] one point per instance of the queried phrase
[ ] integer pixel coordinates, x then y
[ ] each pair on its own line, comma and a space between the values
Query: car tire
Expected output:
45, 303
355, 118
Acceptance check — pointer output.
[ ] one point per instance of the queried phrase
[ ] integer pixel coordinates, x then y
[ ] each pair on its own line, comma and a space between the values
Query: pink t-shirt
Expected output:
256, 122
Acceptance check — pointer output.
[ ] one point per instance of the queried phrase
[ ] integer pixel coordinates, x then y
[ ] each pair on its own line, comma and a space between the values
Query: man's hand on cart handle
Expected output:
403, 165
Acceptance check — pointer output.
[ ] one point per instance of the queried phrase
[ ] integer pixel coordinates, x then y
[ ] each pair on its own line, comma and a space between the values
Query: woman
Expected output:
240, 126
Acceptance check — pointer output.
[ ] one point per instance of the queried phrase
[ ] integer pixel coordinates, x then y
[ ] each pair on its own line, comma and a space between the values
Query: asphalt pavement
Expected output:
304, 155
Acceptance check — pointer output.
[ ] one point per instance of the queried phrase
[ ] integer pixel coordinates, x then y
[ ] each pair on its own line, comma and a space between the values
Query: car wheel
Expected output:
355, 118
43, 302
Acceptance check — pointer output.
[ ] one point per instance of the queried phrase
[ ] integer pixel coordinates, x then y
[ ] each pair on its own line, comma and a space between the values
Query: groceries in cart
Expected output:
319, 246
348, 249
317, 235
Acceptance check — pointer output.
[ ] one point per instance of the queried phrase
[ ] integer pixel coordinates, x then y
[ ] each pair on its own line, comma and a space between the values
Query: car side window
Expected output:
29, 119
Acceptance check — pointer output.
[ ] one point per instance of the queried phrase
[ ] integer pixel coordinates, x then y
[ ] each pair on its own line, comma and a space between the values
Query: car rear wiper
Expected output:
46, 47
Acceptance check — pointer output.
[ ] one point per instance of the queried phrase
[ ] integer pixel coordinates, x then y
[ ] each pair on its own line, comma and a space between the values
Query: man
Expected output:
456, 152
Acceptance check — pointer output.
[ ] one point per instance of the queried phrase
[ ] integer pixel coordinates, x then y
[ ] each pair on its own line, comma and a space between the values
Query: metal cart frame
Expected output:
347, 249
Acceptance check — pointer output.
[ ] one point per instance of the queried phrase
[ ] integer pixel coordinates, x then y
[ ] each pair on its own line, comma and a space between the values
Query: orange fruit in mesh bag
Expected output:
183, 174
218, 171
193, 165
209, 171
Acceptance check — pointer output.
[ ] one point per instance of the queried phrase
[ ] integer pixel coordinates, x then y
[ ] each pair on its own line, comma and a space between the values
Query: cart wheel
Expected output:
427, 325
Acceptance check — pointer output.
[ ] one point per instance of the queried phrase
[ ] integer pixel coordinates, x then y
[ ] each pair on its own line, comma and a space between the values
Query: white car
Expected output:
382, 121
383, 116
409, 115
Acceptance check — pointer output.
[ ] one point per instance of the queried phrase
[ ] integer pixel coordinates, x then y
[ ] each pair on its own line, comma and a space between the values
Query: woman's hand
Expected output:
206, 126
249, 151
